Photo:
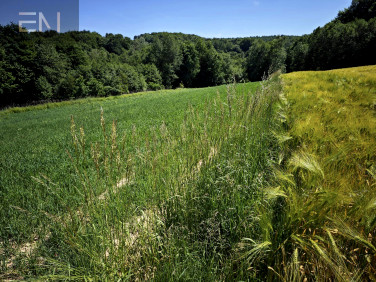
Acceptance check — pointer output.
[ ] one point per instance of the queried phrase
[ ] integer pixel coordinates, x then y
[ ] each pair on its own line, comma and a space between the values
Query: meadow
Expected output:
259, 181
36, 143
35, 140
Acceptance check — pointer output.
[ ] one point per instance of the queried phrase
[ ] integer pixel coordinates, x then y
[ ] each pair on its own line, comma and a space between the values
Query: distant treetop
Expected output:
359, 9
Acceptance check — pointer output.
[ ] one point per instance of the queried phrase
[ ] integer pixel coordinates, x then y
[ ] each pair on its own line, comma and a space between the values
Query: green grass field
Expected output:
271, 181
35, 141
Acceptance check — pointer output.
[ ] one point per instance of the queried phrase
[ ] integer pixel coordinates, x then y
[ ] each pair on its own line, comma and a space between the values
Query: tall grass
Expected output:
319, 222
35, 142
275, 185
33, 151
174, 207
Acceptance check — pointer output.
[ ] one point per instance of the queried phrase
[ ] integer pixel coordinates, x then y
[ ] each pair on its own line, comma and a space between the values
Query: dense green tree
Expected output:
152, 76
297, 56
359, 9
278, 55
131, 80
80, 89
44, 88
7, 81
339, 45
76, 55
166, 55
95, 88
245, 44
51, 65
210, 66
116, 43
190, 66
66, 88
257, 62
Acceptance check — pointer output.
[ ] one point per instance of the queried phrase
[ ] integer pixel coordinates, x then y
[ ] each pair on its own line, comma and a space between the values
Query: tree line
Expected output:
51, 66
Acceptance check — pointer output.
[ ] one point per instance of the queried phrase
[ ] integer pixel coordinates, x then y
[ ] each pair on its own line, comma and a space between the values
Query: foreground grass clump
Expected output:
177, 206
320, 220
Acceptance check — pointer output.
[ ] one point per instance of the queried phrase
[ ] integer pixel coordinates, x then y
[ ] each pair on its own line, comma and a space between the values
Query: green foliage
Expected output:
345, 42
44, 88
190, 66
95, 88
116, 43
210, 65
67, 86
50, 63
131, 79
7, 81
245, 44
110, 91
277, 56
152, 76
257, 63
167, 60
339, 45
297, 56
359, 9
80, 88
166, 55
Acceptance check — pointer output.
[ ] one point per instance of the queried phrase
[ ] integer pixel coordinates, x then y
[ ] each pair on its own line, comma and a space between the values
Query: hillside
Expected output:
43, 67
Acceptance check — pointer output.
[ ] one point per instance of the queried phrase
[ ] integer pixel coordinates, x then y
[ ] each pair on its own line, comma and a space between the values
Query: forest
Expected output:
48, 66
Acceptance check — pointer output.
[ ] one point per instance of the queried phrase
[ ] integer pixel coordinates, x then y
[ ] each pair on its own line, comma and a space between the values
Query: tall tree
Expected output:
166, 55
210, 65
257, 62
190, 66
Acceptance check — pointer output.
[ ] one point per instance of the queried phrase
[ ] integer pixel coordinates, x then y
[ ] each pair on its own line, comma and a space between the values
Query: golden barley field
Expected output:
327, 176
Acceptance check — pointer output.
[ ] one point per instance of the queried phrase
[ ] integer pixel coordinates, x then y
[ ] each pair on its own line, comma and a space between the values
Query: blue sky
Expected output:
207, 18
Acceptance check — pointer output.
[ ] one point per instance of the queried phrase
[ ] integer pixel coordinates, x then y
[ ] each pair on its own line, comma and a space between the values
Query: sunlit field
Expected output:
158, 135
266, 181
327, 181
